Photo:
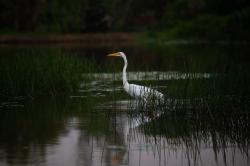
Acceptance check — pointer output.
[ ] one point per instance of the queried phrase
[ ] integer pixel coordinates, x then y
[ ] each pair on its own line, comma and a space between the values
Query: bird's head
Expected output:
117, 54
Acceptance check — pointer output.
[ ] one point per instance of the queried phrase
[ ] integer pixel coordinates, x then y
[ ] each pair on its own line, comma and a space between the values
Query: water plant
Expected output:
35, 72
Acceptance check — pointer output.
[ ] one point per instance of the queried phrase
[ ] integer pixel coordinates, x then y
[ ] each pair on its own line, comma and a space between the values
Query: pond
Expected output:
207, 124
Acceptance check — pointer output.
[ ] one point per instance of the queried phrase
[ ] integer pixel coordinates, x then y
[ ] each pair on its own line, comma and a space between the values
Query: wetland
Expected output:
65, 105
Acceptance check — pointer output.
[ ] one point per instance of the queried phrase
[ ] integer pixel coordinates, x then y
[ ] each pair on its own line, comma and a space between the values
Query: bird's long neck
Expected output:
124, 73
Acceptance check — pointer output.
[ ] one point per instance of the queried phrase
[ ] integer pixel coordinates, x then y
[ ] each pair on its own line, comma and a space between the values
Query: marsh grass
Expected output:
193, 134
218, 89
217, 119
202, 107
211, 112
36, 72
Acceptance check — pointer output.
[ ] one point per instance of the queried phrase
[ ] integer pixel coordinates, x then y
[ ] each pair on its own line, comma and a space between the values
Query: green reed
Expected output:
37, 72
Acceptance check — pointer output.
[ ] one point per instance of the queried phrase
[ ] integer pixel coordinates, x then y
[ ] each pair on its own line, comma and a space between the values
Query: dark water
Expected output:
99, 125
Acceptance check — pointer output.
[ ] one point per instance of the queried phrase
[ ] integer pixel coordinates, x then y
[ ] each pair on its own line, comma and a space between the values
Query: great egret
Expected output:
137, 91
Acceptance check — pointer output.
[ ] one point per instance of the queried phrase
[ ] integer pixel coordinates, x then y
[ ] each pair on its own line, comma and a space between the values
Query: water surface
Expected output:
102, 125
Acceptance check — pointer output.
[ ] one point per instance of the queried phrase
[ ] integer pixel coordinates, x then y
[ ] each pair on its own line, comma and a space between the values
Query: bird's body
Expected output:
143, 92
137, 91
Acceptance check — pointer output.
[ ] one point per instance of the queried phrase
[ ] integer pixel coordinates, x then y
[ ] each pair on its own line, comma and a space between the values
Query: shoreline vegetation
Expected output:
34, 73
201, 28
115, 21
231, 27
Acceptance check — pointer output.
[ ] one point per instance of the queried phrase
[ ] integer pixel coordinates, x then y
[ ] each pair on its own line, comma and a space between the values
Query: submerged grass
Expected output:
40, 72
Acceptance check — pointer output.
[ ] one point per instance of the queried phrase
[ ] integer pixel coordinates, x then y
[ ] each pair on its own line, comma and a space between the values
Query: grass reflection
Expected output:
194, 133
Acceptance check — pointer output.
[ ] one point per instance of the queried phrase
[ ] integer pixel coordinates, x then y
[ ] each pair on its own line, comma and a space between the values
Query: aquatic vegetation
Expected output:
40, 72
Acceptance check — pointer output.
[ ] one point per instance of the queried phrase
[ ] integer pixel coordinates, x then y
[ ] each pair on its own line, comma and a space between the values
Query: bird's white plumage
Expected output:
137, 91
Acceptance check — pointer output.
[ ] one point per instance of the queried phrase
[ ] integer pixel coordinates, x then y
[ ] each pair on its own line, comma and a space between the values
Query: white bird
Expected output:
137, 91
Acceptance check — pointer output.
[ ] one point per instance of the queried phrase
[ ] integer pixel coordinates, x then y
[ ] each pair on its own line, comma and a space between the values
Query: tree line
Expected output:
76, 16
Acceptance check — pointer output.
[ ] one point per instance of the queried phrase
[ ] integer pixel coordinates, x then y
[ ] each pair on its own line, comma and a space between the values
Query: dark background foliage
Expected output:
76, 16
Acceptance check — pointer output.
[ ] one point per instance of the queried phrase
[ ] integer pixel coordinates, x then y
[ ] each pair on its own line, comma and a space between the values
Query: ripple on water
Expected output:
119, 105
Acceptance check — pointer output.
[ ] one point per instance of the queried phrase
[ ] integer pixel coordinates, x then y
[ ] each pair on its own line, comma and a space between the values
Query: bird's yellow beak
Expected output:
114, 54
